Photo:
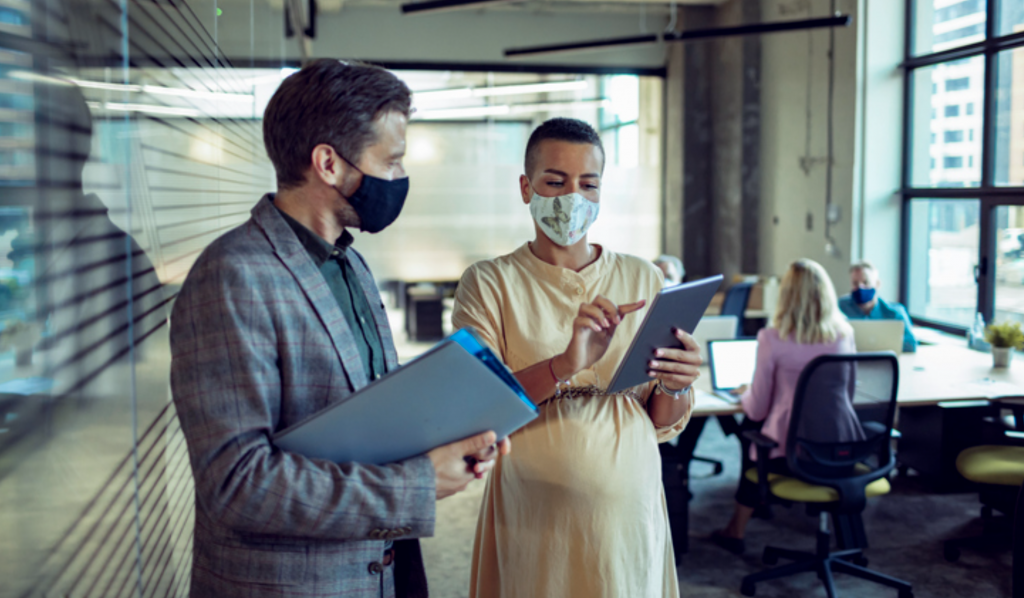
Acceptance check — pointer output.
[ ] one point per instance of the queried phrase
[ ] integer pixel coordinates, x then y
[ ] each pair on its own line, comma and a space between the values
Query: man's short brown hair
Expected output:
332, 102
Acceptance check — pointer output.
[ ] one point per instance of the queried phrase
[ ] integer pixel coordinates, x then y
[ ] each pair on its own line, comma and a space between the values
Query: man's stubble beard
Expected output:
347, 216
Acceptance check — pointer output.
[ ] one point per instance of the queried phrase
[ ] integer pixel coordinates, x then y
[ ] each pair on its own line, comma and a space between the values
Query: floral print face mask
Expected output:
565, 219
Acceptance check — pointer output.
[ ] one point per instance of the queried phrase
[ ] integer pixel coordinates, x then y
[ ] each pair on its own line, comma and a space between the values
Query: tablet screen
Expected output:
681, 306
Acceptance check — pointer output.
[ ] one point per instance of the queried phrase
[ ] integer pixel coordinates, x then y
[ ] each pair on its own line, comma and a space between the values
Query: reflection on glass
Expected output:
1011, 17
943, 24
943, 254
1009, 146
946, 131
1009, 264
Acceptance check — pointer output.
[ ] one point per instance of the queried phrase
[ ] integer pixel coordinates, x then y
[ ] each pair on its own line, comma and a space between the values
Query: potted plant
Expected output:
1004, 338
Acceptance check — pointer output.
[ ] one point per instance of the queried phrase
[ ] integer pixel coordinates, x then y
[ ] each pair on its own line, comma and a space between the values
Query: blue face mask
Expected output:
863, 296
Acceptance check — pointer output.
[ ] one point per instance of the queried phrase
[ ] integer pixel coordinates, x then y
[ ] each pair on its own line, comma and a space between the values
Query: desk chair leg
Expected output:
750, 581
773, 554
823, 563
999, 540
904, 588
825, 575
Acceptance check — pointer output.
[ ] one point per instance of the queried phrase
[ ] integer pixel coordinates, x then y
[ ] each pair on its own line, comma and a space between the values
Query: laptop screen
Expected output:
732, 362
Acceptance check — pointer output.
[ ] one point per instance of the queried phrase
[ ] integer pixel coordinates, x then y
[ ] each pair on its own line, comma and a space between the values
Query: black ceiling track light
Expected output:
441, 5
681, 36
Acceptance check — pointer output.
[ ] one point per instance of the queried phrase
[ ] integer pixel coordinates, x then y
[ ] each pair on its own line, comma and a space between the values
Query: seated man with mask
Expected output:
672, 268
863, 303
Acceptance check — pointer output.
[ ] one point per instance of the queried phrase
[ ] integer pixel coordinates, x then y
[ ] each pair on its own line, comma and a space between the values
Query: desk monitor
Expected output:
714, 328
878, 335
680, 306
732, 363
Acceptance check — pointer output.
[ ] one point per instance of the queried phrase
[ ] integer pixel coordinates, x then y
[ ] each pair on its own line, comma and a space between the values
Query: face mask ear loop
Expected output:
349, 162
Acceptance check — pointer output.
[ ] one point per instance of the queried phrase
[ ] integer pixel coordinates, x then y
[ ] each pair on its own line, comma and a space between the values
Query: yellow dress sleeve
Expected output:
477, 308
669, 432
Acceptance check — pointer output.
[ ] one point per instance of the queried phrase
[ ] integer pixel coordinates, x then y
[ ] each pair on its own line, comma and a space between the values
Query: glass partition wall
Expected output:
127, 145
964, 162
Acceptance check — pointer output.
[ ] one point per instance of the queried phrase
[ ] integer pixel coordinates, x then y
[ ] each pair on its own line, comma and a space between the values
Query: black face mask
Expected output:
377, 202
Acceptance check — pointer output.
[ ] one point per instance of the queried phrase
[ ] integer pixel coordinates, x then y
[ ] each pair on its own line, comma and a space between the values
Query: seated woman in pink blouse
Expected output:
807, 324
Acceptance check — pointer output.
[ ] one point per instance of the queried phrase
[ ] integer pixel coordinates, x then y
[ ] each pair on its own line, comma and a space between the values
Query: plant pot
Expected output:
1001, 356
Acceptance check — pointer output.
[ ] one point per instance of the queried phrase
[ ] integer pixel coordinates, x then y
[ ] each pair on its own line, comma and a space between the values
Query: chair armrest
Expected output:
760, 440
764, 445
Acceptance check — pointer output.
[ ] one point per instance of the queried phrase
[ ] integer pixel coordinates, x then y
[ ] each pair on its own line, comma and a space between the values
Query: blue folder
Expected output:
457, 389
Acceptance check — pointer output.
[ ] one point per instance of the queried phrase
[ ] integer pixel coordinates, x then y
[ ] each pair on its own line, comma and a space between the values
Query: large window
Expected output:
964, 161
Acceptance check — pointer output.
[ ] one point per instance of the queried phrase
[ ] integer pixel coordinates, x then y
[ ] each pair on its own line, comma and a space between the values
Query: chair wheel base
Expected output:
950, 553
748, 589
770, 558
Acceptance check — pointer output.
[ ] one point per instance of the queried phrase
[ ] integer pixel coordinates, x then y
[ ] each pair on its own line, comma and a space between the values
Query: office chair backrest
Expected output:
828, 445
735, 303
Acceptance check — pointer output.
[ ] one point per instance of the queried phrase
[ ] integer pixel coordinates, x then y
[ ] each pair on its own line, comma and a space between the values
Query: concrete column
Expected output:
698, 221
672, 214
726, 74
750, 165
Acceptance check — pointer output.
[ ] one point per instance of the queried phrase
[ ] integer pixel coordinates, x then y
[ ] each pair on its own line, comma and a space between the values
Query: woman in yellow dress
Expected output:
578, 508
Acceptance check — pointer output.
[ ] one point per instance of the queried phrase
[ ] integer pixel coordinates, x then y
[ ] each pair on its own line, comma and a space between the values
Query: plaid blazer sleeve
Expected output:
227, 387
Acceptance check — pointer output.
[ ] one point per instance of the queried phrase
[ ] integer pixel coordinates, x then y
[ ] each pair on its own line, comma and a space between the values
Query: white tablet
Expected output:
681, 306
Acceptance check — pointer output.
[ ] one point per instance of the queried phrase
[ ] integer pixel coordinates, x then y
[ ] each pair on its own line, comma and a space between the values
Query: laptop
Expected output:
732, 364
713, 328
878, 335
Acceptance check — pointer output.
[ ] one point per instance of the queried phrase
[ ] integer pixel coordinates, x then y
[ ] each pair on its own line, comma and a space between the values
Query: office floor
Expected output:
905, 528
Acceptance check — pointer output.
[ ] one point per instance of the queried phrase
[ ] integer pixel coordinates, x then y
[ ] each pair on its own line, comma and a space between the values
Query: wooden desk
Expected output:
934, 374
750, 314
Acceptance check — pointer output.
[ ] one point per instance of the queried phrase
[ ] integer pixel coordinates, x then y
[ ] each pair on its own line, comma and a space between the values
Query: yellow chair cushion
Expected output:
788, 488
992, 464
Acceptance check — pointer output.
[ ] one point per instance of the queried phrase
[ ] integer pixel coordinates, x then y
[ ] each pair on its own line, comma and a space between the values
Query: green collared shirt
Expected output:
333, 262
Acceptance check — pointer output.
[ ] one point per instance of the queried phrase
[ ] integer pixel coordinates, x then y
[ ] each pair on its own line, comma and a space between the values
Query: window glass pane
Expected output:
944, 24
1010, 263
1009, 130
943, 253
1011, 17
945, 131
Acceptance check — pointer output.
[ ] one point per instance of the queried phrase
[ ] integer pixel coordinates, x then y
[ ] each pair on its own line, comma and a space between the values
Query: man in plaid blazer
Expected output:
278, 319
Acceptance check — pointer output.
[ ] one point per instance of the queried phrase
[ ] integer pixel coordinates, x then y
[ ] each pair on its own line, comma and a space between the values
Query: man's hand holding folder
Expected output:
435, 405
458, 463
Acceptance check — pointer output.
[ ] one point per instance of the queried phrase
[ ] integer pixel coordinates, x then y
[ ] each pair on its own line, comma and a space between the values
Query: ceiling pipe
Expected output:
443, 5
682, 36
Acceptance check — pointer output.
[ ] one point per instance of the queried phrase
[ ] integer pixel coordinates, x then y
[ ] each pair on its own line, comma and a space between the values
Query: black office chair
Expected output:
735, 303
998, 469
836, 464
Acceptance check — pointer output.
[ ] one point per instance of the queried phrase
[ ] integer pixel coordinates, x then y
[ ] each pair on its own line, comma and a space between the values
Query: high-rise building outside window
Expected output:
965, 136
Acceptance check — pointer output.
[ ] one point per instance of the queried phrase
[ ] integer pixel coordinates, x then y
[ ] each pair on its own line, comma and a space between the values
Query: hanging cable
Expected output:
672, 18
831, 212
